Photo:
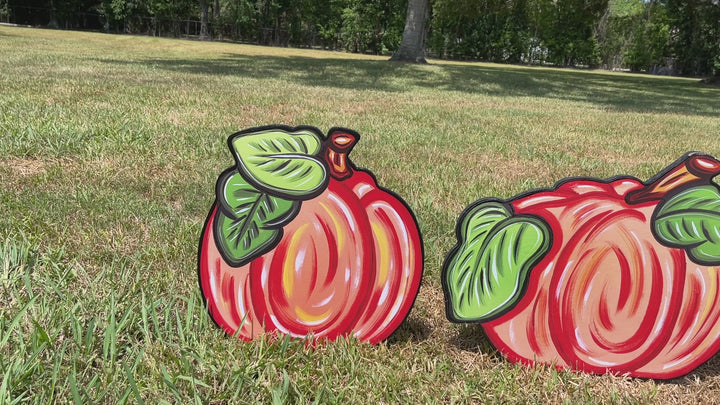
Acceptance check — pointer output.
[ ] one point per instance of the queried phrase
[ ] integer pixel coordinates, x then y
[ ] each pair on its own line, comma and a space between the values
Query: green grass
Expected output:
109, 150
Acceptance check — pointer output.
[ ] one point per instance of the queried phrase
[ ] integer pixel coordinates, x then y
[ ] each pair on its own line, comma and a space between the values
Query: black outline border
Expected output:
455, 249
215, 206
681, 372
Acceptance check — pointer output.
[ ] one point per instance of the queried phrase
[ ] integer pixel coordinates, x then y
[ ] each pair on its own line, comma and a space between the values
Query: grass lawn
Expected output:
110, 147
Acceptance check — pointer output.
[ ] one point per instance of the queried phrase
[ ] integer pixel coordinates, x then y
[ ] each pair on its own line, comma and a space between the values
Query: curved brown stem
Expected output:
695, 169
337, 147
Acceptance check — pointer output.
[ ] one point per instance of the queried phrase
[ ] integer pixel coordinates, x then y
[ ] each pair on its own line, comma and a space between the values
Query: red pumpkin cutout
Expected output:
598, 276
347, 262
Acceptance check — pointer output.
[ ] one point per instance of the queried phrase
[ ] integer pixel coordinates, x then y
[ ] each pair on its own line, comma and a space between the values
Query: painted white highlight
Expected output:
563, 275
580, 341
602, 362
364, 189
384, 294
278, 325
345, 210
511, 329
394, 311
241, 307
325, 301
264, 280
676, 362
299, 260
213, 284
539, 200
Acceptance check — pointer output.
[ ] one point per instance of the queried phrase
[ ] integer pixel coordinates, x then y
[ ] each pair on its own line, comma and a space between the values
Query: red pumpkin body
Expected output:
349, 264
608, 296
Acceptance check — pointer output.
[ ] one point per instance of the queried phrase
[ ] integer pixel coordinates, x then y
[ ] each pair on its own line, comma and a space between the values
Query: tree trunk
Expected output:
412, 47
204, 36
53, 17
216, 10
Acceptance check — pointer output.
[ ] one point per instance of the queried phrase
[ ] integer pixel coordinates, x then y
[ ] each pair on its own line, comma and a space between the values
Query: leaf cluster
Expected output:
276, 169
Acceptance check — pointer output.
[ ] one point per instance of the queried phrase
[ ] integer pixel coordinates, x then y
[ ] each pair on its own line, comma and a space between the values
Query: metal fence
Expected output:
166, 27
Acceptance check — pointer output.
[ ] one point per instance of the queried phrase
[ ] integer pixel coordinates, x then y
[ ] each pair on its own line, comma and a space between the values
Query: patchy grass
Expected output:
109, 150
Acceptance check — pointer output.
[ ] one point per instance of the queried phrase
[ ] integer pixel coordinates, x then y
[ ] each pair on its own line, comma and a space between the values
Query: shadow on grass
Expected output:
411, 330
633, 93
472, 338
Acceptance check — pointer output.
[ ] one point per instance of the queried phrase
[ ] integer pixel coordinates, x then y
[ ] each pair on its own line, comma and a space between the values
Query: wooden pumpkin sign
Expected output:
595, 275
301, 242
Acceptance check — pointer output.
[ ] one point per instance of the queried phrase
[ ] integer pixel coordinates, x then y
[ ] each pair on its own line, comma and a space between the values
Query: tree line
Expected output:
666, 37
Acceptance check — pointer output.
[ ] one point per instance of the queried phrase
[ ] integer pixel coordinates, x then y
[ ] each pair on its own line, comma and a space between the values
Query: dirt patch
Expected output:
28, 167
24, 167
17, 173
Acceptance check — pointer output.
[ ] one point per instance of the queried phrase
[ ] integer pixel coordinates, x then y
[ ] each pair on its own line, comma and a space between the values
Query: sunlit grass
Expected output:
109, 150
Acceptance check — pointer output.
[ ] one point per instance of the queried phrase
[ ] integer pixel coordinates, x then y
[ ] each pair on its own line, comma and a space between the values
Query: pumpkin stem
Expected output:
337, 147
693, 170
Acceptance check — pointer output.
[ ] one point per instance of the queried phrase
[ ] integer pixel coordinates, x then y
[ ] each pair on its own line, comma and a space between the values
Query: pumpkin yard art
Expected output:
600, 276
301, 242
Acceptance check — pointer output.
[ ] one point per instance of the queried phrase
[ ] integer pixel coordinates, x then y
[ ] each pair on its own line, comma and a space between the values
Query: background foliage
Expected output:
660, 36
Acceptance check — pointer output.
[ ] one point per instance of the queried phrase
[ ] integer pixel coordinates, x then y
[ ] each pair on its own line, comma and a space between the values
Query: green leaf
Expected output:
285, 164
249, 221
239, 198
690, 220
486, 275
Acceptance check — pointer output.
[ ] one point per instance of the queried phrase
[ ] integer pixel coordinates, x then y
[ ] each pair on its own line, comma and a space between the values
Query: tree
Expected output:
489, 30
204, 33
566, 30
372, 25
695, 33
412, 46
